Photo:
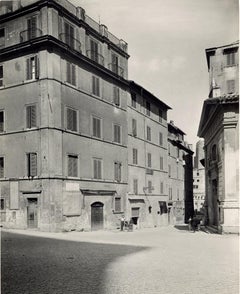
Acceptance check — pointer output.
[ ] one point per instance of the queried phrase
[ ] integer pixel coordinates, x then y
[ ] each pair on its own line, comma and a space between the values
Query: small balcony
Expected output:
70, 41
116, 69
95, 56
30, 34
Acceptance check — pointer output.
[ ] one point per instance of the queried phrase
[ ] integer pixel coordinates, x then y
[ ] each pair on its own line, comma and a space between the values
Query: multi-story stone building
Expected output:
219, 126
79, 144
147, 158
199, 177
63, 112
180, 176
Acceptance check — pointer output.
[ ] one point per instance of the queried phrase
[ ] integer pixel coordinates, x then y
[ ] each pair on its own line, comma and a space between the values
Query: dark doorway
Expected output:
97, 216
32, 215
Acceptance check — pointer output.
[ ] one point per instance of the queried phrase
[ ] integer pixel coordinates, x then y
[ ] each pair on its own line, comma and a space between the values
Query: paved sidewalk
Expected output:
174, 261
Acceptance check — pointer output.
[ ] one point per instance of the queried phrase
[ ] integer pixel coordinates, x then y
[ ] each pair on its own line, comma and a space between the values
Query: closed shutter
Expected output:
71, 37
33, 116
135, 186
69, 119
117, 171
149, 159
117, 204
161, 187
231, 58
116, 99
67, 33
94, 50
1, 75
73, 81
1, 167
95, 169
32, 164
99, 169
32, 28
96, 127
72, 166
95, 86
161, 163
68, 72
160, 139
148, 133
74, 115
135, 156
115, 63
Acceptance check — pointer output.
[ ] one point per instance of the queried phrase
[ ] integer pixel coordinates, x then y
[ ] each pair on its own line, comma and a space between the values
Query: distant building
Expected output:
219, 126
199, 177
180, 176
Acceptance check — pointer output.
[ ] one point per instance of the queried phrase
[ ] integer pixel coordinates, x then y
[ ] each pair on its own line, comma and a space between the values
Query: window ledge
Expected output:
118, 212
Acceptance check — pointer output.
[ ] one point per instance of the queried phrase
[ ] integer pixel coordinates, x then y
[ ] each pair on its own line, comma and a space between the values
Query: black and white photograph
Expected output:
119, 146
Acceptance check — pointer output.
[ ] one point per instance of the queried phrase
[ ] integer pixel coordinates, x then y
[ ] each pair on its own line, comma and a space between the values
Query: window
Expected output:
71, 119
117, 171
134, 127
161, 188
1, 167
148, 108
160, 115
1, 121
2, 37
1, 75
115, 63
148, 133
95, 86
135, 186
169, 149
69, 34
170, 193
169, 170
214, 152
32, 164
230, 58
135, 156
2, 204
94, 50
72, 165
230, 86
32, 28
134, 100
150, 187
163, 207
116, 96
96, 124
31, 116
149, 160
160, 139
97, 168
195, 186
71, 73
161, 163
117, 204
117, 133
32, 68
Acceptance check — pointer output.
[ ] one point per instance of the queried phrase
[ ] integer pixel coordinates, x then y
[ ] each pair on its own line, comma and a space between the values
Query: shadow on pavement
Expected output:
181, 227
47, 266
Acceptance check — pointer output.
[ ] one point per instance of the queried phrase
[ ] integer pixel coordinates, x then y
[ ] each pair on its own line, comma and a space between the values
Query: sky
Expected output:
166, 43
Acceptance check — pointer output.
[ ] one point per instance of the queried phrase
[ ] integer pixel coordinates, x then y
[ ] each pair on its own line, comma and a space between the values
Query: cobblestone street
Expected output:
164, 260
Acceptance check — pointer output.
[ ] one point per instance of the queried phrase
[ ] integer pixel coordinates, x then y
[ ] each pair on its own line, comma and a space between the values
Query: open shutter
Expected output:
74, 120
95, 169
1, 167
99, 169
68, 72
36, 67
69, 119
33, 164
28, 69
75, 166
73, 75
28, 117
71, 37
33, 116
134, 127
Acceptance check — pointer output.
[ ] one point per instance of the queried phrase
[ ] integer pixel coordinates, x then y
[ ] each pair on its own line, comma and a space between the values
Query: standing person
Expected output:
122, 222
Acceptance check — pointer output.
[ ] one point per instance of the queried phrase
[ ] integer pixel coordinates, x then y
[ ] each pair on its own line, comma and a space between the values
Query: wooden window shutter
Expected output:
95, 169
135, 186
99, 169
28, 117
69, 119
97, 87
161, 162
74, 120
118, 204
75, 166
149, 158
1, 167
73, 75
135, 156
161, 187
68, 72
70, 169
32, 164
116, 98
160, 139
33, 116
117, 133
28, 69
1, 121
36, 67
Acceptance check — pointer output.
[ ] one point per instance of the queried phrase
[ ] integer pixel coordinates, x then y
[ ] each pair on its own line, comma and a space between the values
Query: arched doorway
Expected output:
97, 216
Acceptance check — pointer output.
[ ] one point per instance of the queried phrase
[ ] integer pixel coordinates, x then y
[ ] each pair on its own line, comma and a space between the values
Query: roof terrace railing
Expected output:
30, 34
70, 41
95, 56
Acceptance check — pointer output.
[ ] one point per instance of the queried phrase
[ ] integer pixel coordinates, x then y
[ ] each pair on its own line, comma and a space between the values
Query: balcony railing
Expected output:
116, 69
30, 34
70, 41
95, 56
